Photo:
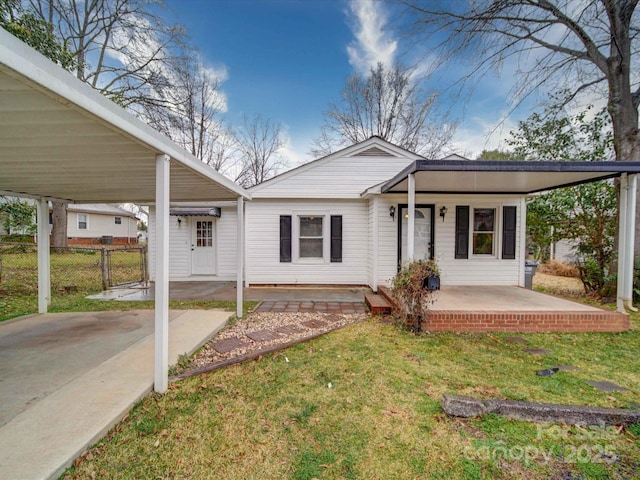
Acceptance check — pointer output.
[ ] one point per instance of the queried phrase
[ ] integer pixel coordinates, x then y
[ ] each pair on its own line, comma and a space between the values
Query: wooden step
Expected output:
386, 293
377, 303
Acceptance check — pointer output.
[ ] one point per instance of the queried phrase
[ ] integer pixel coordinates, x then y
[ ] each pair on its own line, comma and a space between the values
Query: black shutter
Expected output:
462, 232
285, 238
336, 238
508, 233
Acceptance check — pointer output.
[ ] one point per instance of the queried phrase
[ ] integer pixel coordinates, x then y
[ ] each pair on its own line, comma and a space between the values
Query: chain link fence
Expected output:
73, 269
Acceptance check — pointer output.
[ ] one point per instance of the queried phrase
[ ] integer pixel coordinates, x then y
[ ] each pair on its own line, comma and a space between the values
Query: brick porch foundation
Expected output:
533, 321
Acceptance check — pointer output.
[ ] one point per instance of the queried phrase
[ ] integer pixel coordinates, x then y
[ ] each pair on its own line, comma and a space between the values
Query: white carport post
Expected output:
240, 257
626, 233
44, 258
412, 216
161, 328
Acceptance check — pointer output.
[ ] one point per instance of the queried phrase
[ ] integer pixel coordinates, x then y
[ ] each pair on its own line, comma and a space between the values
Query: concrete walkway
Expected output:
66, 379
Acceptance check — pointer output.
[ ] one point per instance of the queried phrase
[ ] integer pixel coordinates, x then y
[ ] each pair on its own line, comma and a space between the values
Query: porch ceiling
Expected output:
472, 176
61, 139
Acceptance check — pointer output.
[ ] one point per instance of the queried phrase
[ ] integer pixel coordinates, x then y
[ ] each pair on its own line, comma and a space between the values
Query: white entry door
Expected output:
203, 257
422, 242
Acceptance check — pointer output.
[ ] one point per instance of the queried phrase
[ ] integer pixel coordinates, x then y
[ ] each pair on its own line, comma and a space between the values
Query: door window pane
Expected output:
483, 230
204, 233
311, 238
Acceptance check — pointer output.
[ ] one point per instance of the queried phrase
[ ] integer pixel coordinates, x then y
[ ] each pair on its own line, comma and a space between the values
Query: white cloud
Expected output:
479, 134
373, 41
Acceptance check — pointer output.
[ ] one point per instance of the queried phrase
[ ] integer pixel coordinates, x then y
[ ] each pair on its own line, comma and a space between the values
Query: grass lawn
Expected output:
364, 402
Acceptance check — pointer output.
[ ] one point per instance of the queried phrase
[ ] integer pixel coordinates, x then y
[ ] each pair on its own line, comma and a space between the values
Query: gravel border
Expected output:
208, 359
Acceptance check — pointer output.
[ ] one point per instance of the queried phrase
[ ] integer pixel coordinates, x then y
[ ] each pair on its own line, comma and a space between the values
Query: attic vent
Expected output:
373, 152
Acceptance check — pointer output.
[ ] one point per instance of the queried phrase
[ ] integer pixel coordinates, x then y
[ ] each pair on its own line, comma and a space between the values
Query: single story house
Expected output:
346, 219
100, 223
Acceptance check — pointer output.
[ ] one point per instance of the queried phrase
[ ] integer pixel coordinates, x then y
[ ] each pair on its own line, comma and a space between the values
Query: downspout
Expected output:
622, 235
412, 216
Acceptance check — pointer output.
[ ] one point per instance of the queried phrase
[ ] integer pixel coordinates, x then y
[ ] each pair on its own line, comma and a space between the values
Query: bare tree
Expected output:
121, 47
390, 104
191, 116
259, 141
591, 46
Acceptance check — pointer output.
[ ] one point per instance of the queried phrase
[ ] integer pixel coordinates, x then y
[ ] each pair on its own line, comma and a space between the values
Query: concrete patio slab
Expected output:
76, 408
227, 291
503, 298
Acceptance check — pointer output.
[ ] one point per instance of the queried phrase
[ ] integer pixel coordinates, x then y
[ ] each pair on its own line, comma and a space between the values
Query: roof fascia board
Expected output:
34, 197
51, 79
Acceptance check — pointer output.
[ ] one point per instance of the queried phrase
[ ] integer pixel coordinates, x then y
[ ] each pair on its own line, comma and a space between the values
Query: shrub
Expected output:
560, 269
412, 299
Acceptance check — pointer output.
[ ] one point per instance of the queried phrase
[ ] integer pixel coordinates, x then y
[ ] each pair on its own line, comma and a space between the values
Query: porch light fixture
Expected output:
443, 212
392, 212
179, 221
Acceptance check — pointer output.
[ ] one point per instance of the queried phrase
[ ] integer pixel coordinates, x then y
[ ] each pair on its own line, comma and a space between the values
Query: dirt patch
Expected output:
562, 285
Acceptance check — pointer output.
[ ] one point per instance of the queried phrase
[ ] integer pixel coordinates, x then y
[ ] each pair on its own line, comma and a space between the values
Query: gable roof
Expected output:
372, 147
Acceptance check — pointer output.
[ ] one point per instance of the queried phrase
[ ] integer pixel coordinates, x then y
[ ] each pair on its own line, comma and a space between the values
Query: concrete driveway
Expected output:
66, 378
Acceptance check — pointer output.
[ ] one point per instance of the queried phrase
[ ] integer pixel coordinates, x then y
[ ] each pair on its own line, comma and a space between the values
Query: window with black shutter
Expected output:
508, 232
336, 238
462, 232
285, 238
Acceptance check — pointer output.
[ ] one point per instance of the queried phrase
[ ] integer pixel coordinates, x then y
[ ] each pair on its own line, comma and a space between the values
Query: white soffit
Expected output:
61, 139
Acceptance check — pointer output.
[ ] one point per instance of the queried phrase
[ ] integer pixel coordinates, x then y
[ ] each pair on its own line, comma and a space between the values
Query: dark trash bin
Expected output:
530, 267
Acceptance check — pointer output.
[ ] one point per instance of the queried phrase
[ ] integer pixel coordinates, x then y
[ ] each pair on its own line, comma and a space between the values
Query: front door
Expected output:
203, 258
423, 240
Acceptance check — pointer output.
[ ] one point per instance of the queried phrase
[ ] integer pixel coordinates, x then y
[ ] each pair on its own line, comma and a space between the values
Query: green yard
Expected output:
364, 402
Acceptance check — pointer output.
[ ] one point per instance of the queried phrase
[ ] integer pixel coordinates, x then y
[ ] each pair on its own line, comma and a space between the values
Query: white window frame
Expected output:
86, 221
295, 238
116, 218
497, 229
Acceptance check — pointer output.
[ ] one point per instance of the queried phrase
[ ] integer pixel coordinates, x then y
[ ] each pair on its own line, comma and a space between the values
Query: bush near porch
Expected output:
364, 402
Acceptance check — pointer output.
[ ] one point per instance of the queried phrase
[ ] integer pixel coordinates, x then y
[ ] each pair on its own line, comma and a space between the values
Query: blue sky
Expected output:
288, 60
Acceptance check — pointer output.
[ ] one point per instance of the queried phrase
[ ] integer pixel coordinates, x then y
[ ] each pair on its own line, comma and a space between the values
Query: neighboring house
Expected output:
340, 221
93, 224
100, 224
564, 251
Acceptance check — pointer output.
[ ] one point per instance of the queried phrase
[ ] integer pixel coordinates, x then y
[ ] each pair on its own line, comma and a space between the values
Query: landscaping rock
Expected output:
461, 406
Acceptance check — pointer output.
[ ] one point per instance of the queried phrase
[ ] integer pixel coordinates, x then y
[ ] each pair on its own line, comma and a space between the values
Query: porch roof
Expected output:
502, 177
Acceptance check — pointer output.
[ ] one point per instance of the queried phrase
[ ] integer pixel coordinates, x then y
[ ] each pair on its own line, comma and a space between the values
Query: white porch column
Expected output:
376, 247
161, 332
412, 215
240, 256
523, 240
44, 258
632, 188
622, 249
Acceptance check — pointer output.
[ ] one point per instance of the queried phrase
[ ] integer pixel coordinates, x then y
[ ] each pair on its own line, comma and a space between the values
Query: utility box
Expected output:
530, 267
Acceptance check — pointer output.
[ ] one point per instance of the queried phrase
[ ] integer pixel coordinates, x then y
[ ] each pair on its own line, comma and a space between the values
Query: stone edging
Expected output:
462, 406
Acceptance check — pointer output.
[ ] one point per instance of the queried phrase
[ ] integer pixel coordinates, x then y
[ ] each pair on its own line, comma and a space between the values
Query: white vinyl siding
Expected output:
225, 243
99, 225
341, 178
263, 243
477, 270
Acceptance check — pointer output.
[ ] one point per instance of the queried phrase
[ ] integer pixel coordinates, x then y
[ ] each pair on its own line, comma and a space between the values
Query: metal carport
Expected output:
61, 140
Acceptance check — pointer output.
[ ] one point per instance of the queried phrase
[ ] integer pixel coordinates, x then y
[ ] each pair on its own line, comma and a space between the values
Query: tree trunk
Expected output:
59, 230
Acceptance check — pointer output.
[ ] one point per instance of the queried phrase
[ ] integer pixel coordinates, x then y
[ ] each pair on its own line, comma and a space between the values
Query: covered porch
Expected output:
464, 178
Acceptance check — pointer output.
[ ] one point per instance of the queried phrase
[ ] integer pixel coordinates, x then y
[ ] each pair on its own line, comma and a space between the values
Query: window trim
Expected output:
86, 221
497, 229
295, 237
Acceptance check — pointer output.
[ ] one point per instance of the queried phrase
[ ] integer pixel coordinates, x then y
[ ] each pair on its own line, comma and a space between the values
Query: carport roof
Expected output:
63, 140
502, 177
